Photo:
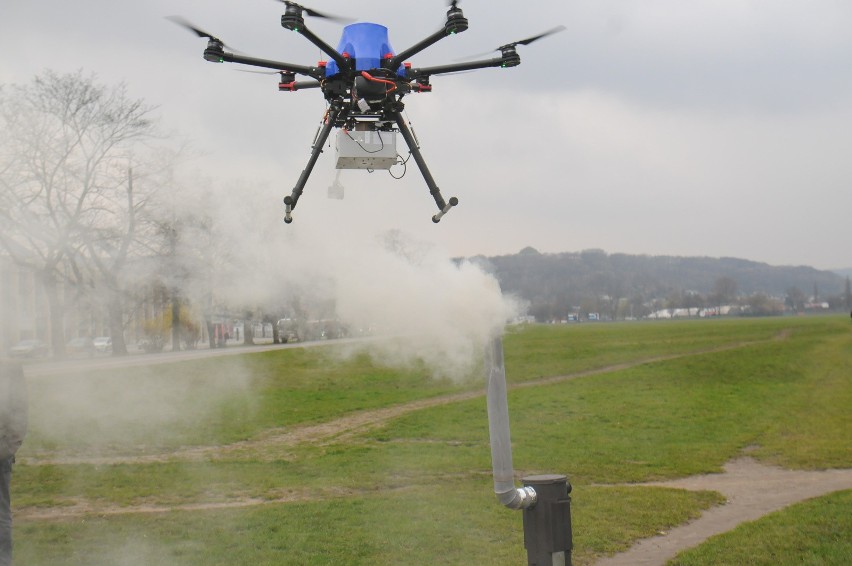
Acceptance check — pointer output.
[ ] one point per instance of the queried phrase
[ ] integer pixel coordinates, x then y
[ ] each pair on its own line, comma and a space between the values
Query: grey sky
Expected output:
709, 127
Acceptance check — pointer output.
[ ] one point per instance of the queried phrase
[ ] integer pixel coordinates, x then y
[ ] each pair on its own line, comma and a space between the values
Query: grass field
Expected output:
297, 457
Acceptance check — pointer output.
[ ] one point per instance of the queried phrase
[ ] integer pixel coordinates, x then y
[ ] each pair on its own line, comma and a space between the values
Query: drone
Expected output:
363, 82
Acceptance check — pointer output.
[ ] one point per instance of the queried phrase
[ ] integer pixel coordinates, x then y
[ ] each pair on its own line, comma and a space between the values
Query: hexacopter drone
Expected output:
364, 83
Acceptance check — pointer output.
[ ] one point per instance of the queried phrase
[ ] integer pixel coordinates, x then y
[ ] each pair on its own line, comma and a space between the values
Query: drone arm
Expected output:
397, 60
342, 62
458, 67
299, 85
314, 72
456, 23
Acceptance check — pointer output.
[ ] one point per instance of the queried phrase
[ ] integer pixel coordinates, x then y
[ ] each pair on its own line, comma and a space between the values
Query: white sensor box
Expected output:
365, 150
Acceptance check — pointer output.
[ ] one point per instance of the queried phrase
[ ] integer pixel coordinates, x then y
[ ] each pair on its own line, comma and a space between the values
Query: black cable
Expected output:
364, 148
404, 164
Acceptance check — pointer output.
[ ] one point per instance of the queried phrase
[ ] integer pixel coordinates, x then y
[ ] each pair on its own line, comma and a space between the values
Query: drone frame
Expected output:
338, 88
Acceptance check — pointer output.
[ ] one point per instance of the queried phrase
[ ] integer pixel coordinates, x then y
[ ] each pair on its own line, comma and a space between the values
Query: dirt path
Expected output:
82, 508
752, 490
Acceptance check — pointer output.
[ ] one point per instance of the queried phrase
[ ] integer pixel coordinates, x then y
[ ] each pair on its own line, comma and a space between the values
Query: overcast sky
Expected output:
663, 127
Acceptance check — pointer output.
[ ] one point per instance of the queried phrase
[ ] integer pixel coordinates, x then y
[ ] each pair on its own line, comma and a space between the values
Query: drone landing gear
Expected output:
443, 205
316, 149
453, 201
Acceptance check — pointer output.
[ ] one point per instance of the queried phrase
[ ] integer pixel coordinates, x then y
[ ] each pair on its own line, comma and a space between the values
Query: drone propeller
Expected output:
512, 45
285, 75
198, 31
315, 14
453, 4
529, 40
259, 72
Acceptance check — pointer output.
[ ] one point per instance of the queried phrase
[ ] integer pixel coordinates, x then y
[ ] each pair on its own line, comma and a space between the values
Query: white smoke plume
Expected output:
438, 310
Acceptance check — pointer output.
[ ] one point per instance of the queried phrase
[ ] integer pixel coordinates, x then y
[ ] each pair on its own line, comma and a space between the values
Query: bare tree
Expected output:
115, 251
194, 257
178, 255
63, 184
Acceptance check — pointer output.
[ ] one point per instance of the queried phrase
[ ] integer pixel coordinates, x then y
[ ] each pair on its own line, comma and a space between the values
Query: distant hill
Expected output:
556, 283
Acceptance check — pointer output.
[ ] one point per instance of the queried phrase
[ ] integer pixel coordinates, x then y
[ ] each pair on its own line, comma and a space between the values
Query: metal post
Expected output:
547, 525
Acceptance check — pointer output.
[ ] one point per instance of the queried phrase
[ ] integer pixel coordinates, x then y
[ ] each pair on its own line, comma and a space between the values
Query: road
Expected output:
85, 364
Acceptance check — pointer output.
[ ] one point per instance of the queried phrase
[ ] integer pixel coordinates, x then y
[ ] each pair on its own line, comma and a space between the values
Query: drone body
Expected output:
364, 82
365, 43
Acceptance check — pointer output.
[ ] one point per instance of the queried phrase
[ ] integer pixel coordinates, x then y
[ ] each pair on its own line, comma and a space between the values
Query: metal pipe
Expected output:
498, 429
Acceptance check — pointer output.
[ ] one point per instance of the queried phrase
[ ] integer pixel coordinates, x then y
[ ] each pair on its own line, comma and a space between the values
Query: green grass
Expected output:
539, 351
213, 401
442, 524
817, 532
417, 489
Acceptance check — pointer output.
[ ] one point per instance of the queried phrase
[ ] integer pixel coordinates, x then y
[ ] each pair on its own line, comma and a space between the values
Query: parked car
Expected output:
103, 344
152, 344
29, 349
80, 345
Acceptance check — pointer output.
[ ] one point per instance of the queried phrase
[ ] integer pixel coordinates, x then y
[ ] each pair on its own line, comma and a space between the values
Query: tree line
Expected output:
621, 286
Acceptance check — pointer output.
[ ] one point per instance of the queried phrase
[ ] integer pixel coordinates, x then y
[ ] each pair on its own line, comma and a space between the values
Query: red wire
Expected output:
370, 77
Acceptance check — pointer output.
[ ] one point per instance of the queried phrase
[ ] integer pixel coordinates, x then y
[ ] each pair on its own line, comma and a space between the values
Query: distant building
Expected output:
724, 310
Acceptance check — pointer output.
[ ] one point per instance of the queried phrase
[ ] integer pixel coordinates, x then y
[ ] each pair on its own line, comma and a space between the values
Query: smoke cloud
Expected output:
370, 277
374, 280
438, 311
101, 413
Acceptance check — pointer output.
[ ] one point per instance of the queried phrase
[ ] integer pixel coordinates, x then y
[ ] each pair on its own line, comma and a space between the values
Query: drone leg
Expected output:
316, 149
421, 163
